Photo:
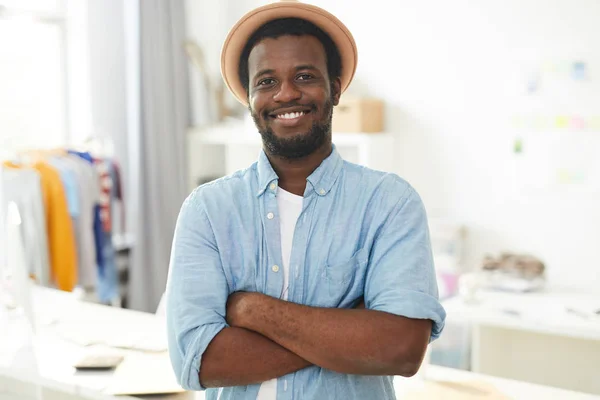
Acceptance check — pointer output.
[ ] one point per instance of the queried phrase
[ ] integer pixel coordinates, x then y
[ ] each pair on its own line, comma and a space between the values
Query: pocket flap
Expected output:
342, 272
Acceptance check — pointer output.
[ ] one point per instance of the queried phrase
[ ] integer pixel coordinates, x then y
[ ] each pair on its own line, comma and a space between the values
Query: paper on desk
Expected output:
142, 374
91, 334
446, 390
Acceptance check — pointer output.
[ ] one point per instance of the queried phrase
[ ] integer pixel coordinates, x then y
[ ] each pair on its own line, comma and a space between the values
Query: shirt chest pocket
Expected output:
344, 281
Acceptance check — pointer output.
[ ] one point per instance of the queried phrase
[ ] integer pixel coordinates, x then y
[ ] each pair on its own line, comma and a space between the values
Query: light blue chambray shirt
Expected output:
360, 233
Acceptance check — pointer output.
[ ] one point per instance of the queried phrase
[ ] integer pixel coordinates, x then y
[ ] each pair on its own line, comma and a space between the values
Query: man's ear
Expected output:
336, 88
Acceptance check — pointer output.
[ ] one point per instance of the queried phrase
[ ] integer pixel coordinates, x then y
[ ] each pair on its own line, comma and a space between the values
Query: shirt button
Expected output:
275, 268
270, 215
272, 186
322, 191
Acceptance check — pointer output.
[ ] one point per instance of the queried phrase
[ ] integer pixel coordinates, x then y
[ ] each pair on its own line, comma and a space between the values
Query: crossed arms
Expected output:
269, 338
218, 339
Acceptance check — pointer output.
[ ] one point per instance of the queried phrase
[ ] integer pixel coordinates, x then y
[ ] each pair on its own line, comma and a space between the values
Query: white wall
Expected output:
451, 74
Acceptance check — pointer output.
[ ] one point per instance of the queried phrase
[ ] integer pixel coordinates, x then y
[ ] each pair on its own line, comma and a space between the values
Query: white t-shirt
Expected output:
290, 207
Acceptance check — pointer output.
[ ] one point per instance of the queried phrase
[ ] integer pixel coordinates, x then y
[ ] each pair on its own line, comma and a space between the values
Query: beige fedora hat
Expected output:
249, 23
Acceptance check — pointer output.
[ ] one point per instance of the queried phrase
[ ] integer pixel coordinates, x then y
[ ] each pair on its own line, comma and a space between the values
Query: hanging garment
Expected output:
63, 253
23, 187
106, 184
108, 281
70, 184
87, 183
59, 227
98, 231
107, 286
72, 192
118, 213
108, 277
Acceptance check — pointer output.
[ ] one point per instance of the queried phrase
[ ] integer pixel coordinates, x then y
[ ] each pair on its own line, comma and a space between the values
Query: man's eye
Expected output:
267, 81
304, 77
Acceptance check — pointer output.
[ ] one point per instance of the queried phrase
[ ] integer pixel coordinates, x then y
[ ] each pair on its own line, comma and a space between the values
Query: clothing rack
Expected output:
66, 198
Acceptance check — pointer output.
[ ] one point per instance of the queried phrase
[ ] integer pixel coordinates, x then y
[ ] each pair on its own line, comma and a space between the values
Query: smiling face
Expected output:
291, 97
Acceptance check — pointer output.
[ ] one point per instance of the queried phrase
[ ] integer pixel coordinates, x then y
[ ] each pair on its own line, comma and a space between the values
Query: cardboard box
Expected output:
358, 114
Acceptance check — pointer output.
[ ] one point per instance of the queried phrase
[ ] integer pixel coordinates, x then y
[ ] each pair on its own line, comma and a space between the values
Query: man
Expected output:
270, 265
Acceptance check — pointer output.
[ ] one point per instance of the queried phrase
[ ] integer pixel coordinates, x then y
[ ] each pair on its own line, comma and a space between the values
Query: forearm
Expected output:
362, 342
238, 357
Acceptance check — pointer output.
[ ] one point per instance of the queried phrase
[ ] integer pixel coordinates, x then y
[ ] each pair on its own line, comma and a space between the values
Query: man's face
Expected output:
291, 98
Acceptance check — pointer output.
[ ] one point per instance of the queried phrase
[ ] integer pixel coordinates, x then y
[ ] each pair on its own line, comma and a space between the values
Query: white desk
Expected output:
59, 312
68, 328
532, 337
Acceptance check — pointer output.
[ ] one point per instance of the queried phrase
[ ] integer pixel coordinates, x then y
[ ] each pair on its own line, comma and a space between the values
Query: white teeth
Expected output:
291, 115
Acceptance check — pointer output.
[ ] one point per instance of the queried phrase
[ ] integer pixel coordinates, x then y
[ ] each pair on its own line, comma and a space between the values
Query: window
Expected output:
33, 96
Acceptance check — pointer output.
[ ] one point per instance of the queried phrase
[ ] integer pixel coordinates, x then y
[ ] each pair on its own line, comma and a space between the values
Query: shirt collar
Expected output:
321, 180
266, 173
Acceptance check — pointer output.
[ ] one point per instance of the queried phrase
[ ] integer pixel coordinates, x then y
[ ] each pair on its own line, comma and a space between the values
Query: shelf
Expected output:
240, 134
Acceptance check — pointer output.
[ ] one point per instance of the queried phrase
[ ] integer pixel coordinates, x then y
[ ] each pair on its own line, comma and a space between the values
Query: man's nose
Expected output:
287, 92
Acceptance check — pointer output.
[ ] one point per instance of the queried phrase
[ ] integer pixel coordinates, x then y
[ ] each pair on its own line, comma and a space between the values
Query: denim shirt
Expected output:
360, 233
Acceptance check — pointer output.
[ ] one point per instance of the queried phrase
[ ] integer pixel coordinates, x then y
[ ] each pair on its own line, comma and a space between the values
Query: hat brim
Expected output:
249, 23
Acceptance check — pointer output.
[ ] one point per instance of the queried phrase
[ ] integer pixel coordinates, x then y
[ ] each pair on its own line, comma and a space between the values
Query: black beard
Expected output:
300, 145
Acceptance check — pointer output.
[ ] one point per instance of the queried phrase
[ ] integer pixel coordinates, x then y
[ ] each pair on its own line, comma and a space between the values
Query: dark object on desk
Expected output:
98, 361
521, 265
512, 272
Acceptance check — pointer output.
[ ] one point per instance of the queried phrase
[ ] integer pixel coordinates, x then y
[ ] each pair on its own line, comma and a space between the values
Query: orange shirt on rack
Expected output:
59, 227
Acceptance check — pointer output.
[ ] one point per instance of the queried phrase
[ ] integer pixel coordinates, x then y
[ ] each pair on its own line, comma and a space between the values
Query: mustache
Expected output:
267, 113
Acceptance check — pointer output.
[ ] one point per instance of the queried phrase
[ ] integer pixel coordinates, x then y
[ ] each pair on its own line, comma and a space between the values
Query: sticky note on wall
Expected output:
561, 122
593, 123
577, 123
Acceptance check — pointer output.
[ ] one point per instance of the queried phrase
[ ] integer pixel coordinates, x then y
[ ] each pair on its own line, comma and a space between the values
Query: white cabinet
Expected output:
223, 149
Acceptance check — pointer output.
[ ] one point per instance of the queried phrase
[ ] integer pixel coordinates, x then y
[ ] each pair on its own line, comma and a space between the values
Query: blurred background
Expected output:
113, 111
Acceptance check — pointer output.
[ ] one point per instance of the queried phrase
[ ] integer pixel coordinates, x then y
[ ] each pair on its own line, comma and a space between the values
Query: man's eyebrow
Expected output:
263, 72
269, 71
307, 66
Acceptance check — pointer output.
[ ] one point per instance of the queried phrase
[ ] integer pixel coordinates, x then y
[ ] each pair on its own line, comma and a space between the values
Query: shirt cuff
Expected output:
190, 374
415, 305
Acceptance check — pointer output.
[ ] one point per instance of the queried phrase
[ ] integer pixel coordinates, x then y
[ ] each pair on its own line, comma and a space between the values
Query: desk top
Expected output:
149, 370
67, 329
555, 312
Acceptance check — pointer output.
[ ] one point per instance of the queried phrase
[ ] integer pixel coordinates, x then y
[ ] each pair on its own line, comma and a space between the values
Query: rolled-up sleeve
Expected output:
196, 293
401, 277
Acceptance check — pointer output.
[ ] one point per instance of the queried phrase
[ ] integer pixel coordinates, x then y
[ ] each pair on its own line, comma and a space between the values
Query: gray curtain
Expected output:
161, 159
